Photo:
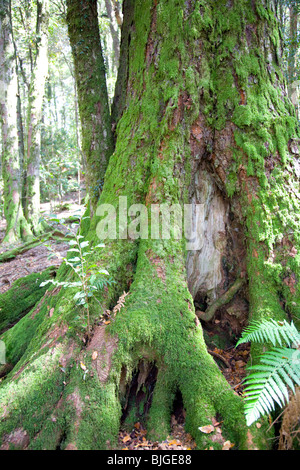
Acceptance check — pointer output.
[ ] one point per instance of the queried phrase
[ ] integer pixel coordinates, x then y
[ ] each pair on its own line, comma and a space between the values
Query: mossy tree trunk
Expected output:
293, 86
205, 119
97, 138
113, 27
16, 225
34, 120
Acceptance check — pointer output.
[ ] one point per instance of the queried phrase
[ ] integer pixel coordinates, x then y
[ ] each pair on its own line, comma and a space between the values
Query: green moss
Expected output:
31, 400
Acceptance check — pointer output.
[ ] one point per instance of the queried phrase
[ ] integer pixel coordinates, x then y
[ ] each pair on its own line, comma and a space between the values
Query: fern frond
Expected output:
274, 332
268, 384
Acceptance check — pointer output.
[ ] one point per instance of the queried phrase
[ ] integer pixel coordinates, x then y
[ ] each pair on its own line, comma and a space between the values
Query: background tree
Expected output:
97, 139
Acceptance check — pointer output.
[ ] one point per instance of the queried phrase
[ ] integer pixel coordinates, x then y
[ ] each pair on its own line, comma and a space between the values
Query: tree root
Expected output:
22, 296
223, 300
69, 396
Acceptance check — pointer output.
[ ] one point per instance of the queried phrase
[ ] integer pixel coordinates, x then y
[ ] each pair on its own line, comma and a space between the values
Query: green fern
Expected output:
278, 333
278, 370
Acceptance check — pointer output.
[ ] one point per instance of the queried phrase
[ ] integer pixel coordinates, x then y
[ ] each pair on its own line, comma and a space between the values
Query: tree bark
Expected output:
293, 84
97, 141
35, 103
204, 120
16, 225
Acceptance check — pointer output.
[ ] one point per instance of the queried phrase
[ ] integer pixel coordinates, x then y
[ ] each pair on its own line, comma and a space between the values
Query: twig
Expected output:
221, 358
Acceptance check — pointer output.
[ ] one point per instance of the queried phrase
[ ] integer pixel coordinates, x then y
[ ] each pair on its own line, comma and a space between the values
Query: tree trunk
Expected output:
204, 120
16, 225
293, 85
114, 34
35, 103
97, 141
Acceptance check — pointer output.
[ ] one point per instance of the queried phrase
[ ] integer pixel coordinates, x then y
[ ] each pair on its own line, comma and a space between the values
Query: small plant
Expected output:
278, 370
91, 279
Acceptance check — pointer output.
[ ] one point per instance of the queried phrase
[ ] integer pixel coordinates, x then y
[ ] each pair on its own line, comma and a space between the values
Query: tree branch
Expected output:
224, 299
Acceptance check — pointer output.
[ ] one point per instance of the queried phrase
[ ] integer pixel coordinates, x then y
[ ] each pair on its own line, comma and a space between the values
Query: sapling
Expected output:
91, 279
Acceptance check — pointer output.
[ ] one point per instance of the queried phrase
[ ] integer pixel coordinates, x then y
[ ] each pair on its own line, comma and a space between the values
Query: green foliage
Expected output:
270, 380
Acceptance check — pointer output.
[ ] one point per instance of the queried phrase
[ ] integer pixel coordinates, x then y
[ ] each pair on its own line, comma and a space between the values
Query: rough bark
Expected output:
205, 119
293, 43
293, 86
16, 225
97, 141
21, 297
34, 112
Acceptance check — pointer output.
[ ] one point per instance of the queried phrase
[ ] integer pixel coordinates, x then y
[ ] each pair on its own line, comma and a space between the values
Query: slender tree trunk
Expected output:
81, 163
97, 141
204, 120
35, 103
293, 43
16, 226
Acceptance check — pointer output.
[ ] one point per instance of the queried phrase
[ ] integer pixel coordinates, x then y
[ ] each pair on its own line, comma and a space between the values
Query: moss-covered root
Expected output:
52, 401
22, 297
207, 399
158, 325
64, 395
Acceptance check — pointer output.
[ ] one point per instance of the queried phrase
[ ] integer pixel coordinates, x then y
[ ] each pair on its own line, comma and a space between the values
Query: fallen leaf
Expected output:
258, 425
207, 429
83, 367
174, 442
51, 312
126, 439
94, 355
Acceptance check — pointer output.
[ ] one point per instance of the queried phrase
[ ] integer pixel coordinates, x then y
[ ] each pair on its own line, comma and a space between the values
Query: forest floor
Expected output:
37, 259
232, 361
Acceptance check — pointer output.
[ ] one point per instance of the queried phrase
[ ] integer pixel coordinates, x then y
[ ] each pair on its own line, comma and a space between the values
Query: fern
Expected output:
278, 370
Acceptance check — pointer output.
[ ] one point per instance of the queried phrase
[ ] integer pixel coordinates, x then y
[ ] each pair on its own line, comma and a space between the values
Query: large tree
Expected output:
202, 118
